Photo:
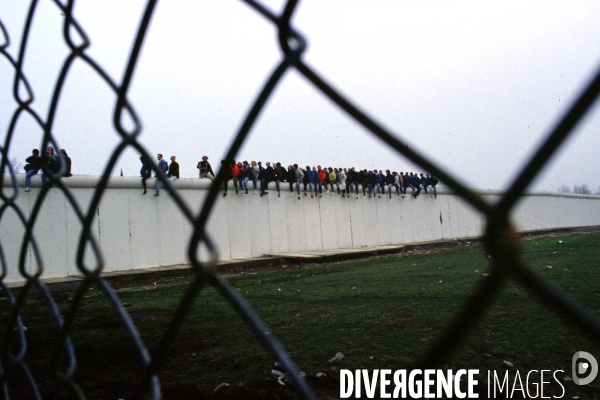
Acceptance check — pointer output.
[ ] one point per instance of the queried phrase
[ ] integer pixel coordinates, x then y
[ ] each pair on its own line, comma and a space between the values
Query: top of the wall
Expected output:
131, 182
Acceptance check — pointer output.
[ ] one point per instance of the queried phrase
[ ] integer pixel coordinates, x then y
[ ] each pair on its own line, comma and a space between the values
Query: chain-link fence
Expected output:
501, 239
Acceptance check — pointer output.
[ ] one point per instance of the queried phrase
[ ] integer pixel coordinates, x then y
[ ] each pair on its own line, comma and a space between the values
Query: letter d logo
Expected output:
583, 367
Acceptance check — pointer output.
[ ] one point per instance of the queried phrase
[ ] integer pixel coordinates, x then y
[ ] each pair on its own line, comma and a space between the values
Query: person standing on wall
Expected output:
33, 166
163, 166
205, 169
173, 170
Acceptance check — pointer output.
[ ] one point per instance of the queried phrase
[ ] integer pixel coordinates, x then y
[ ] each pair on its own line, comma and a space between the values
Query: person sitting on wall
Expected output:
173, 172
205, 169
248, 171
332, 180
242, 178
413, 180
279, 177
33, 166
50, 164
67, 161
291, 178
309, 180
162, 165
433, 183
145, 172
424, 182
299, 177
226, 167
255, 174
262, 178
235, 174
389, 182
402, 182
342, 179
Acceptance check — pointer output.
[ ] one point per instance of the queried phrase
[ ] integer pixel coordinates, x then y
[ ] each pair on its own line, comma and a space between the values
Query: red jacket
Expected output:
322, 175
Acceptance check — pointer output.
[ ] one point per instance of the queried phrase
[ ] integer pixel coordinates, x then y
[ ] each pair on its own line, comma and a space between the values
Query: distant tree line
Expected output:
578, 189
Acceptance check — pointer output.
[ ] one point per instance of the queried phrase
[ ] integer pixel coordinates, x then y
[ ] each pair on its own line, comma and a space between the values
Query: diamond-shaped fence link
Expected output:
501, 239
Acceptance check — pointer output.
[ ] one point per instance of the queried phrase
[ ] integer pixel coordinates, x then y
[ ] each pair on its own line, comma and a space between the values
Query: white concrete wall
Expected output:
136, 231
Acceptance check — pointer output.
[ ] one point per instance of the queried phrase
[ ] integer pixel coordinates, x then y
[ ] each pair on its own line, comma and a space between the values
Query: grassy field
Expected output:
381, 312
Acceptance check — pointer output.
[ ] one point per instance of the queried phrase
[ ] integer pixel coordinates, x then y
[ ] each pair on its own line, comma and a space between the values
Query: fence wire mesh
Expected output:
501, 239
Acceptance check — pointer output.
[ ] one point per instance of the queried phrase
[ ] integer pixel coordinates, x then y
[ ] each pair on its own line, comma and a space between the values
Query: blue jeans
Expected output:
298, 182
28, 176
264, 186
244, 183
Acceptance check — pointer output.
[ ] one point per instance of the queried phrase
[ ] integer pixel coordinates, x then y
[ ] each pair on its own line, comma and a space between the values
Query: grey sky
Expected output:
475, 85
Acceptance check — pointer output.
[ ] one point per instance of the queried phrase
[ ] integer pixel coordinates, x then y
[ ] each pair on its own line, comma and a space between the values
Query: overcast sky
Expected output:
475, 85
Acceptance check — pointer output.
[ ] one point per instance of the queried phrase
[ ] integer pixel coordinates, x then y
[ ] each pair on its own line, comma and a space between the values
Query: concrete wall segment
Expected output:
141, 231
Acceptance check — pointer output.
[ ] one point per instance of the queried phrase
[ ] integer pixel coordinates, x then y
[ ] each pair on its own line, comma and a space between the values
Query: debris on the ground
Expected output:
221, 385
320, 374
338, 356
567, 378
508, 363
279, 375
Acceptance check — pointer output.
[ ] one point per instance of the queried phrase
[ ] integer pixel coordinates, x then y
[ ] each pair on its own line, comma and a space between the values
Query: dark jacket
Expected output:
145, 170
227, 175
67, 161
50, 164
270, 174
33, 163
389, 179
173, 169
291, 175
279, 174
204, 166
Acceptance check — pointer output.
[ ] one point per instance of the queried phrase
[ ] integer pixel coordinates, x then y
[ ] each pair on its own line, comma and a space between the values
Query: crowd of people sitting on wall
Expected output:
50, 163
347, 182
